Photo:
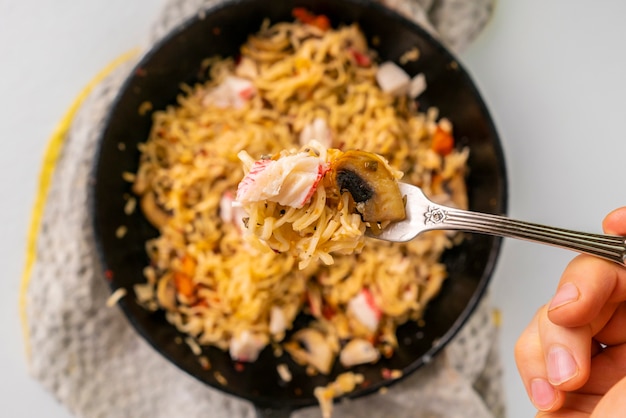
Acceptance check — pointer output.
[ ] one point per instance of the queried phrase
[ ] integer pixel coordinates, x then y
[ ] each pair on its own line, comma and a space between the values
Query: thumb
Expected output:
615, 222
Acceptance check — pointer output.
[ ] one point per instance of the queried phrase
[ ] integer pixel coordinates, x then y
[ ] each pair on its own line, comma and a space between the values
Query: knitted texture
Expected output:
93, 361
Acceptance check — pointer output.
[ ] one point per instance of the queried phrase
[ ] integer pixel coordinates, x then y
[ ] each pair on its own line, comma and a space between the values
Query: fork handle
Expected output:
609, 247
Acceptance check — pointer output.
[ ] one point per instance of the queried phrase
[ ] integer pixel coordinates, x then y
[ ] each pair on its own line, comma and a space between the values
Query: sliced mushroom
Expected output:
153, 212
309, 347
358, 351
372, 185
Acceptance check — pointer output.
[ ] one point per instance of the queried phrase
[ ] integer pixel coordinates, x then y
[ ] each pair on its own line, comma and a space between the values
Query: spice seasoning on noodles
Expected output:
292, 83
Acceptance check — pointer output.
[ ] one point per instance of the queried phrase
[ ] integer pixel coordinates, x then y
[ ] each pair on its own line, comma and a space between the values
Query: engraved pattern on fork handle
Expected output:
609, 247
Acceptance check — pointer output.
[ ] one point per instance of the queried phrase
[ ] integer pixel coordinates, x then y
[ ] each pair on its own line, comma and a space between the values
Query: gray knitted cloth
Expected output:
88, 356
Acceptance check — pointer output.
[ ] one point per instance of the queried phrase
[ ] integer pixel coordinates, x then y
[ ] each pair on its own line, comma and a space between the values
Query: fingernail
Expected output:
567, 293
561, 365
543, 394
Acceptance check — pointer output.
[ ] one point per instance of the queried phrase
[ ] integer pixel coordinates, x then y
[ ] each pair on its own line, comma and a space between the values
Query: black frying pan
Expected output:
177, 59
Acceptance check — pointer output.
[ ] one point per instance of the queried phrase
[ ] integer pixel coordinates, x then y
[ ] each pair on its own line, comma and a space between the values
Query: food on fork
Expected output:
315, 201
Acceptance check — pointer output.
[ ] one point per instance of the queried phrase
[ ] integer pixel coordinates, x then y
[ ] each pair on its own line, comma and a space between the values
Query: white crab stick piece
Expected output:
246, 346
365, 310
290, 181
392, 79
233, 92
417, 86
231, 212
317, 130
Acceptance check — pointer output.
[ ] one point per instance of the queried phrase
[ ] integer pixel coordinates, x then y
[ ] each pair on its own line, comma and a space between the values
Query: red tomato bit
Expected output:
303, 15
360, 58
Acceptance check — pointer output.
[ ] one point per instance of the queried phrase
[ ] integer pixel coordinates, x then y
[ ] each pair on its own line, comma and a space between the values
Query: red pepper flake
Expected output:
360, 58
141, 72
328, 312
108, 274
216, 31
201, 302
240, 367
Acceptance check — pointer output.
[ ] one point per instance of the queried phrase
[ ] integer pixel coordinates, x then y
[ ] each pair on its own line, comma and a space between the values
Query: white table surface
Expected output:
552, 72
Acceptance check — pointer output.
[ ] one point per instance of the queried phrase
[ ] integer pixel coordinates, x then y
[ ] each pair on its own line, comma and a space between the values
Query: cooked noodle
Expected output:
226, 291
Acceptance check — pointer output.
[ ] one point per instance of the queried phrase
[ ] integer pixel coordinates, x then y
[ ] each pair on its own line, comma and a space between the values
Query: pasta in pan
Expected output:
293, 82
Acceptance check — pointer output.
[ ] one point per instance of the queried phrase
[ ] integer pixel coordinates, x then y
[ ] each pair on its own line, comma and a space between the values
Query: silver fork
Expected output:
424, 215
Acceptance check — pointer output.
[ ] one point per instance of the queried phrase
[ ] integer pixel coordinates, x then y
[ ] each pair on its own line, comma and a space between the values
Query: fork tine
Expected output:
417, 205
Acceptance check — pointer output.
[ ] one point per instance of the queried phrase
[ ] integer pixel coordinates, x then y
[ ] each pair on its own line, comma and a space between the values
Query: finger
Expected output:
567, 352
586, 286
615, 222
531, 365
574, 360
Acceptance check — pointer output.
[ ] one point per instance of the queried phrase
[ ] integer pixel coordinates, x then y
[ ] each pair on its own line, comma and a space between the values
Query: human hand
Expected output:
572, 356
